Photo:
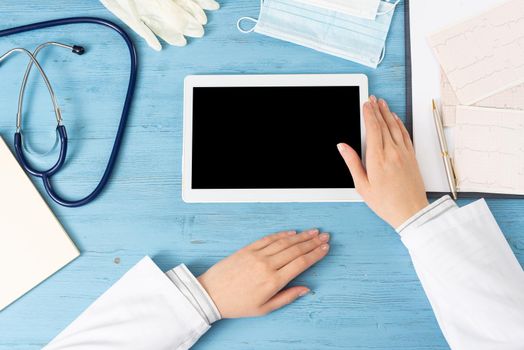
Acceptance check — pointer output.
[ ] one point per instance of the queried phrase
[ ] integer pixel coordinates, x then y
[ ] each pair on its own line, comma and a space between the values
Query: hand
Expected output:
250, 282
169, 19
391, 184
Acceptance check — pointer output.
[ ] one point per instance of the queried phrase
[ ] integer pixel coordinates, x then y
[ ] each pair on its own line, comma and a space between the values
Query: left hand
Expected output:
250, 282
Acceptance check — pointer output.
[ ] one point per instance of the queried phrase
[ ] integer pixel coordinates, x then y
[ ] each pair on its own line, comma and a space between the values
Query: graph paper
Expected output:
512, 98
484, 55
489, 150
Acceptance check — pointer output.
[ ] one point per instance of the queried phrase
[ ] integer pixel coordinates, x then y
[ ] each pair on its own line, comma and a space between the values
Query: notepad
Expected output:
483, 56
33, 244
489, 150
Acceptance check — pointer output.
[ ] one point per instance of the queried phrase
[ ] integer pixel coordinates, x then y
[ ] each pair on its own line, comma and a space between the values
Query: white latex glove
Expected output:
171, 20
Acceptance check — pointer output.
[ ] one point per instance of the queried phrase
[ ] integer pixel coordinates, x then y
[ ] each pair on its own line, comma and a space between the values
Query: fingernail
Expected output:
324, 237
292, 233
396, 116
305, 292
324, 246
384, 103
313, 232
340, 147
372, 98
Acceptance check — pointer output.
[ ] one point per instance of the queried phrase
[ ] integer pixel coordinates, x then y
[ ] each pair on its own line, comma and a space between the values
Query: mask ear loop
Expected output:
390, 10
382, 55
250, 19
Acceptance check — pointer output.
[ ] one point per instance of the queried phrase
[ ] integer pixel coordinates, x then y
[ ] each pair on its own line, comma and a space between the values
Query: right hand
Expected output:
251, 281
391, 184
171, 20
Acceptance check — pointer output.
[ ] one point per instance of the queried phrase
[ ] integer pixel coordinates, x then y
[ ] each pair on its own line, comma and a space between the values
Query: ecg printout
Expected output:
512, 98
489, 150
484, 55
428, 17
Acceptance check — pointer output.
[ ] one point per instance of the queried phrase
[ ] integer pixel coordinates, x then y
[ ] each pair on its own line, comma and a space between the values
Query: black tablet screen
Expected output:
273, 137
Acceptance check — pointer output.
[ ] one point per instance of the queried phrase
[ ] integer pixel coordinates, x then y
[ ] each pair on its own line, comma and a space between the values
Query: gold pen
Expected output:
448, 164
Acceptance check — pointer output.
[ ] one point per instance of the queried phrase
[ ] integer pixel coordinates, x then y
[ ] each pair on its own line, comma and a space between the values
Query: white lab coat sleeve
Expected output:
471, 277
145, 309
194, 293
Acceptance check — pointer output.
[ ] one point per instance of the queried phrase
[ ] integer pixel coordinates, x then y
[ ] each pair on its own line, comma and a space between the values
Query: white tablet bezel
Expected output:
191, 195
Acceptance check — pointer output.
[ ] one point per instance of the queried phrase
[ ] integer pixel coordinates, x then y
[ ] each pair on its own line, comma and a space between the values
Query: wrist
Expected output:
195, 293
409, 211
204, 283
429, 213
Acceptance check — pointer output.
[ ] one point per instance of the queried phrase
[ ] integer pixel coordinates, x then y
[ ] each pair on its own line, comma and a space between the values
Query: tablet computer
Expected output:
271, 138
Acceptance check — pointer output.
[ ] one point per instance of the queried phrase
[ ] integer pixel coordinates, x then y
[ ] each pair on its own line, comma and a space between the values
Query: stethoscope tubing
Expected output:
47, 175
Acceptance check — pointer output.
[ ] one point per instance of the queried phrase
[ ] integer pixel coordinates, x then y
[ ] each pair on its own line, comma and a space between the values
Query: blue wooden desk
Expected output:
366, 294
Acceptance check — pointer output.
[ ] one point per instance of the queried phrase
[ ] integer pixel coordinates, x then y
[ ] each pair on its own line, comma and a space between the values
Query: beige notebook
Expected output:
33, 244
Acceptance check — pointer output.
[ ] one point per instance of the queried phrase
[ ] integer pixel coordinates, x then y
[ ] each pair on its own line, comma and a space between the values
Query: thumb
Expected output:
355, 166
283, 298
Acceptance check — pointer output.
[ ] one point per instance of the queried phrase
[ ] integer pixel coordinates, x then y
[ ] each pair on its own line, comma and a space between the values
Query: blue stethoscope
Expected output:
61, 130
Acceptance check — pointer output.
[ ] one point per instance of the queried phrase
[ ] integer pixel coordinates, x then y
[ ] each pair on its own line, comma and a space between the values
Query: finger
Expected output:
386, 136
132, 20
302, 263
391, 122
373, 130
283, 298
170, 36
171, 33
174, 20
354, 163
405, 134
288, 255
267, 240
194, 30
193, 9
286, 242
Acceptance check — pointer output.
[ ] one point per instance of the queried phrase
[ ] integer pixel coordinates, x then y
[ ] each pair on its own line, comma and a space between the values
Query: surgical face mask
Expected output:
349, 37
360, 8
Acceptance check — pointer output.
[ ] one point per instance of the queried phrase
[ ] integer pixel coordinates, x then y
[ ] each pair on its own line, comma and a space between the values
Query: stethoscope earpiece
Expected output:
79, 50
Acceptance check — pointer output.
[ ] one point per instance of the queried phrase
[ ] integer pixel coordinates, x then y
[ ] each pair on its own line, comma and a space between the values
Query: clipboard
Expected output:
410, 125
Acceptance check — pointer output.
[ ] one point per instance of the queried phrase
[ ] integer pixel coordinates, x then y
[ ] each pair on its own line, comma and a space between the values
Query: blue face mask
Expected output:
360, 8
356, 39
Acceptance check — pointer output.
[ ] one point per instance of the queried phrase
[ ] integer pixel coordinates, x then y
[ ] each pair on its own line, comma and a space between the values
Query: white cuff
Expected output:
195, 293
427, 214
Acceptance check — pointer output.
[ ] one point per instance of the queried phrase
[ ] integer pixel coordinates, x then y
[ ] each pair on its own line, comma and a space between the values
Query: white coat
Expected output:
467, 269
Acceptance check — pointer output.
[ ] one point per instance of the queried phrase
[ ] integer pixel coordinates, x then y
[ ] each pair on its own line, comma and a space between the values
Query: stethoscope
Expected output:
46, 175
